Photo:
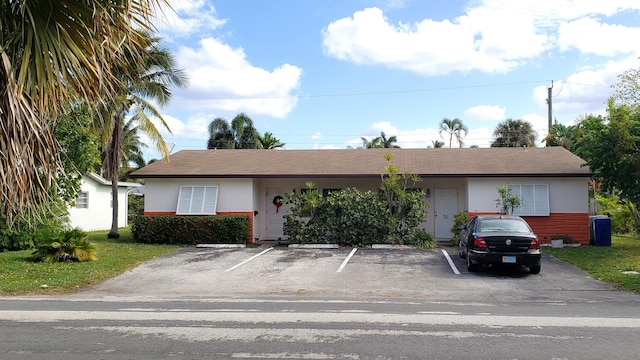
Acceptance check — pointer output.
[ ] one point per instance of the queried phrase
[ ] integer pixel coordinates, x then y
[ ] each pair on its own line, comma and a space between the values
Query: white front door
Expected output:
275, 215
445, 208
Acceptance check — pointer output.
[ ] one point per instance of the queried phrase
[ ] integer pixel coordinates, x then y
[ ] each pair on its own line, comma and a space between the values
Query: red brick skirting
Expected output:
221, 213
576, 225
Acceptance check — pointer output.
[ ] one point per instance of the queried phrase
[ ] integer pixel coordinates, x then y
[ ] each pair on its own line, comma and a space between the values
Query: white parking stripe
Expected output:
249, 259
344, 263
453, 266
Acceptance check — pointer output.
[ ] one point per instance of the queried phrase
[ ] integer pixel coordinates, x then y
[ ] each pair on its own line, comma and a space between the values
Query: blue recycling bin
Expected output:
600, 229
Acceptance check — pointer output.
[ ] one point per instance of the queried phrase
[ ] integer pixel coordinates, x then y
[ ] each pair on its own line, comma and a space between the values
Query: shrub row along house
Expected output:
551, 181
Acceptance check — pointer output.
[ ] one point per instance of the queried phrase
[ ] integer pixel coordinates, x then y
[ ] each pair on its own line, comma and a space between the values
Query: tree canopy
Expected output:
514, 133
381, 141
239, 134
453, 127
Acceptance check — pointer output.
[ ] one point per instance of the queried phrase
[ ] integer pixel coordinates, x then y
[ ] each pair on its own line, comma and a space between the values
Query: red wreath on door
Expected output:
278, 201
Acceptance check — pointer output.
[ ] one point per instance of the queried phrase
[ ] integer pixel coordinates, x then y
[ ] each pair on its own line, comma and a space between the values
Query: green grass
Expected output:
606, 263
20, 276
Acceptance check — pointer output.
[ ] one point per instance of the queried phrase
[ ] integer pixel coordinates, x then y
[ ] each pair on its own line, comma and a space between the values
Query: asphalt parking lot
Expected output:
348, 273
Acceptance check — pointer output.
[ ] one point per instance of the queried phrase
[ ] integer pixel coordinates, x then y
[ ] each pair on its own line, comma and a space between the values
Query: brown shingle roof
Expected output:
467, 162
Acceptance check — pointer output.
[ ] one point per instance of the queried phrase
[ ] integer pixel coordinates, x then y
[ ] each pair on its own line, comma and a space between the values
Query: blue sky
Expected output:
323, 74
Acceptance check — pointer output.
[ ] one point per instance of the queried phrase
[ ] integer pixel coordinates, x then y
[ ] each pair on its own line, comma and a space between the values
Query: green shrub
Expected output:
63, 246
358, 218
20, 235
15, 239
136, 207
620, 213
347, 217
190, 230
423, 239
459, 221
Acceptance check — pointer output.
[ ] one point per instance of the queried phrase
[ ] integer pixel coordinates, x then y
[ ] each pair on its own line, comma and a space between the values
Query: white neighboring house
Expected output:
92, 210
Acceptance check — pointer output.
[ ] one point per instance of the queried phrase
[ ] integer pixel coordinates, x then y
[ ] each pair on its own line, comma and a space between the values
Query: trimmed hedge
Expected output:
190, 230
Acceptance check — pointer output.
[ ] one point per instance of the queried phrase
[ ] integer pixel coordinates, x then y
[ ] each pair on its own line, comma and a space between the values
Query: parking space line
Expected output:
344, 263
249, 259
453, 266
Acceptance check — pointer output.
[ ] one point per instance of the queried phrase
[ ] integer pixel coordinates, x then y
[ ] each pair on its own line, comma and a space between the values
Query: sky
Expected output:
323, 74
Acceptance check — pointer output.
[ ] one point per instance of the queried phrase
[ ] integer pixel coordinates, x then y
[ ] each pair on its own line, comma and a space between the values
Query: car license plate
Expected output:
509, 259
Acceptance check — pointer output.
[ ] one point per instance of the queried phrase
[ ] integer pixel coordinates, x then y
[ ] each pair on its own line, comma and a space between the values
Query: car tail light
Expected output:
535, 243
480, 243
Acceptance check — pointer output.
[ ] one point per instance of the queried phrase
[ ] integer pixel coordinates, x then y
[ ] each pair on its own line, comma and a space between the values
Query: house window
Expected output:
535, 199
197, 200
82, 202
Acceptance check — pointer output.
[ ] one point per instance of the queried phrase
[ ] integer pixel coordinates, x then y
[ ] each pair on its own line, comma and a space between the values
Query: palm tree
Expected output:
561, 135
380, 142
220, 135
132, 153
455, 128
269, 141
514, 133
369, 144
437, 144
53, 54
388, 142
156, 73
239, 134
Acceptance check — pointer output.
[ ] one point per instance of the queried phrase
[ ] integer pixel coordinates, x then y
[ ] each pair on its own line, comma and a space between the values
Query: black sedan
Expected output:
499, 239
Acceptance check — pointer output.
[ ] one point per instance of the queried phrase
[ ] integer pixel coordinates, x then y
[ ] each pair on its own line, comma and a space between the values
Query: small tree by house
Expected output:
507, 201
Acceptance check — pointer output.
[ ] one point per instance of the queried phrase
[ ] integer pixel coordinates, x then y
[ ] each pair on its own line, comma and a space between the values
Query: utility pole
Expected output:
550, 105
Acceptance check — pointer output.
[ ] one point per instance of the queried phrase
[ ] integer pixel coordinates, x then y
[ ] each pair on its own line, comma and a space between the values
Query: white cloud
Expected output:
495, 36
590, 36
585, 91
369, 38
187, 17
195, 127
223, 79
485, 112
383, 126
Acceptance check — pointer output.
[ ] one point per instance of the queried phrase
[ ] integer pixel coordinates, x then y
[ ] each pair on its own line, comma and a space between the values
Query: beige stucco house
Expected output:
551, 181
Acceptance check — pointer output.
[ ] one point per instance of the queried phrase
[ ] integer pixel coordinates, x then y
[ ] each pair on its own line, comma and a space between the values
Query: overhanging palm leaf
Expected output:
52, 52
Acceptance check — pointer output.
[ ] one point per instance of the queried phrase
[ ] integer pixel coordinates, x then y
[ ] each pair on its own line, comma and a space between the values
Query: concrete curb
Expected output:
314, 246
221, 246
386, 246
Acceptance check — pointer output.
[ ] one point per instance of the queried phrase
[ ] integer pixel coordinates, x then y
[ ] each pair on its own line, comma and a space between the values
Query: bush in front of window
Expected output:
351, 217
190, 230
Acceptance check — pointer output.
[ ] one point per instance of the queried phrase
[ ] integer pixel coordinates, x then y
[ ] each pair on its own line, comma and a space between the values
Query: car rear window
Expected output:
503, 225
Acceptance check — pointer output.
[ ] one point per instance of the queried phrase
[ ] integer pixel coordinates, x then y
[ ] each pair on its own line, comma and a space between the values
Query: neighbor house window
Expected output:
535, 199
197, 200
82, 202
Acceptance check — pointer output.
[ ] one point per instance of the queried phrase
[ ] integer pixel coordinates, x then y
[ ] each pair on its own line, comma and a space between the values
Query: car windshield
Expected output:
503, 225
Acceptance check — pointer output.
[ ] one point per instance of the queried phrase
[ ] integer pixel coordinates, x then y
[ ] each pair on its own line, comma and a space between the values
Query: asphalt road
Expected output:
280, 303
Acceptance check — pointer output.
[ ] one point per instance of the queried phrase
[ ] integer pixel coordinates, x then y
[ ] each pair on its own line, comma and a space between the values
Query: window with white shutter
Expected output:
197, 200
535, 199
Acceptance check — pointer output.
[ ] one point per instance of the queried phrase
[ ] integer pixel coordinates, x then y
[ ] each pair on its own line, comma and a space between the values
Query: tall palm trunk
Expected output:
113, 169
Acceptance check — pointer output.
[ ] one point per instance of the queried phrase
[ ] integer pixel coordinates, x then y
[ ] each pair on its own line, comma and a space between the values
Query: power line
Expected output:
381, 92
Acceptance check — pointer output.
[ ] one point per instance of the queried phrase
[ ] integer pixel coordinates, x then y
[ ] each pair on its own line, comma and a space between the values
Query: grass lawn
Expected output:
20, 276
606, 263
